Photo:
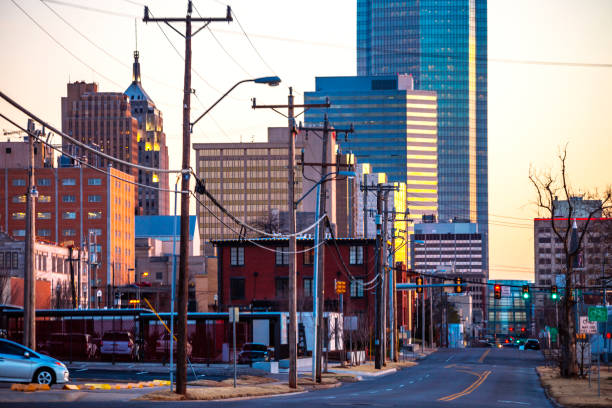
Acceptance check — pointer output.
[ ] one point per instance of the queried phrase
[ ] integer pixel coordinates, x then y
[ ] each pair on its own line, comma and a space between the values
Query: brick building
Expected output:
78, 204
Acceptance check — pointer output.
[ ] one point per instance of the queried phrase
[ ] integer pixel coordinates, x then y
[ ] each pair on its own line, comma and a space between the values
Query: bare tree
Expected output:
269, 223
548, 189
5, 287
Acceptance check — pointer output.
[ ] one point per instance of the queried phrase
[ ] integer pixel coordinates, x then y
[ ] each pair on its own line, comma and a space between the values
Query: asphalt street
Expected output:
448, 378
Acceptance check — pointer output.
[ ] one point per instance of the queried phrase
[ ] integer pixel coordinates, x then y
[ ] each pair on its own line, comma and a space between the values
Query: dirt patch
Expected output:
369, 367
576, 393
215, 393
229, 382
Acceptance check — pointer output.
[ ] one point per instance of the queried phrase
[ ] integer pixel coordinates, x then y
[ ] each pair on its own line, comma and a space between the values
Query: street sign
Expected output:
505, 291
598, 314
560, 280
234, 314
587, 327
553, 333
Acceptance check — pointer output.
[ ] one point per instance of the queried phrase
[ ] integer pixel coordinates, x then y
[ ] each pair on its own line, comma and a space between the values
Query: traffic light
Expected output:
526, 294
458, 287
419, 282
340, 287
554, 294
497, 289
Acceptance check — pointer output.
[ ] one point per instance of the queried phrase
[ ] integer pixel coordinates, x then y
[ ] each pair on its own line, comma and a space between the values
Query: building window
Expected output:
69, 215
44, 232
282, 287
309, 257
18, 215
19, 233
159, 275
9, 260
94, 215
236, 288
43, 182
44, 199
308, 289
19, 199
68, 182
282, 255
356, 255
19, 182
357, 288
94, 182
94, 198
237, 256
69, 232
68, 198
43, 215
95, 231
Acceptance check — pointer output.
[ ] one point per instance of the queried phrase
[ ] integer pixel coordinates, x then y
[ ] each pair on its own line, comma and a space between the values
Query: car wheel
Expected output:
44, 376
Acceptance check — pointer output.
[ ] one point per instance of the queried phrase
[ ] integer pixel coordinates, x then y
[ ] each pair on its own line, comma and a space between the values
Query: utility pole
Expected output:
29, 281
386, 274
431, 292
183, 277
379, 285
291, 208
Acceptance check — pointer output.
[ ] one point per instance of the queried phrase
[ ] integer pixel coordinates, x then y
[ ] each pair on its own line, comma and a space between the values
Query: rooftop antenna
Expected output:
136, 33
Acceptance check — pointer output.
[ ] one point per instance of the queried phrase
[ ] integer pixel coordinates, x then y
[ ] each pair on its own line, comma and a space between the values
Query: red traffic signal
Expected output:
497, 289
522, 329
511, 329
458, 282
608, 335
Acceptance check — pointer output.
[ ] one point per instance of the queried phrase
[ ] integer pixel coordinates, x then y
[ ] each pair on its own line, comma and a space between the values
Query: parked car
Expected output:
252, 352
532, 344
21, 364
75, 345
162, 346
119, 343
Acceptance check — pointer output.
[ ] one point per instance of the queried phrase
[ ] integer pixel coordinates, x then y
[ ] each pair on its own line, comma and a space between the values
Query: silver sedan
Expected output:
21, 364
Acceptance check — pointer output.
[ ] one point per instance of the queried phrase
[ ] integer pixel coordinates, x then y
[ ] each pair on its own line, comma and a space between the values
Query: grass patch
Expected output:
575, 393
229, 382
217, 393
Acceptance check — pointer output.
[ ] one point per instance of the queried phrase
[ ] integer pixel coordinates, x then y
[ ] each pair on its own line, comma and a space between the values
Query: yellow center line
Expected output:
481, 378
481, 359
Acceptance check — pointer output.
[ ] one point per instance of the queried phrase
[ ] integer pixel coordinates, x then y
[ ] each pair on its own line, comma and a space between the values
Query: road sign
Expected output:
587, 327
598, 314
553, 333
234, 314
505, 291
560, 280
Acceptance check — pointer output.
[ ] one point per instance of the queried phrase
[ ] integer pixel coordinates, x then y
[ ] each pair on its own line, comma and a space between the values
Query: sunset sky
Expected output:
550, 81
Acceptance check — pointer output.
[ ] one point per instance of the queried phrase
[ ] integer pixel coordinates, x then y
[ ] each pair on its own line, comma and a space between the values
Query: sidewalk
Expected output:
211, 369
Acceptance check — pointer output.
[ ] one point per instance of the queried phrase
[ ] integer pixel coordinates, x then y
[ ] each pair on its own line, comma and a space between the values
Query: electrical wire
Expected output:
86, 163
251, 42
81, 144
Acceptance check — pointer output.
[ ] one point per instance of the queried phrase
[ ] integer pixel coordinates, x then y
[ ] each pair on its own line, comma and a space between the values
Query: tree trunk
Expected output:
568, 364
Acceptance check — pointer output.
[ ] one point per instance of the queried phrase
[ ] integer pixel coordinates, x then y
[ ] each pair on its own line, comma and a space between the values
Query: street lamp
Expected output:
269, 80
315, 307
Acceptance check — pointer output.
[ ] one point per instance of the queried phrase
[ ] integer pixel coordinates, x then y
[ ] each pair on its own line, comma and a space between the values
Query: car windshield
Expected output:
254, 347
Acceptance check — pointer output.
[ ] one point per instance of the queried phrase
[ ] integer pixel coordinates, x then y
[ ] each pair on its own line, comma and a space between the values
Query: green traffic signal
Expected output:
554, 294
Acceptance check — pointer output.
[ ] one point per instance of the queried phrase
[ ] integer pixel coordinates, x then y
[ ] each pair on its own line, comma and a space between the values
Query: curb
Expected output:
30, 387
365, 374
546, 393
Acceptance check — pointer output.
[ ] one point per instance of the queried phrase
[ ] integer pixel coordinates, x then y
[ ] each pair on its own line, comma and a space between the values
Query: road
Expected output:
448, 378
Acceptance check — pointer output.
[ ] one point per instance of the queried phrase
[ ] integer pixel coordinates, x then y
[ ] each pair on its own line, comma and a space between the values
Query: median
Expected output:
574, 392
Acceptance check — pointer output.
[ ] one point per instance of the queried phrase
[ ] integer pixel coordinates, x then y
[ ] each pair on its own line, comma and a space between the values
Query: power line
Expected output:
62, 46
97, 10
251, 42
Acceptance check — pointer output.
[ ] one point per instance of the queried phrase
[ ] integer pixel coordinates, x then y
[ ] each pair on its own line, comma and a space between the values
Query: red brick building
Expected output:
75, 204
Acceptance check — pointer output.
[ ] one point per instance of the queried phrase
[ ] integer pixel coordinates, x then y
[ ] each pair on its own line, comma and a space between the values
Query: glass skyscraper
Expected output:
395, 130
443, 45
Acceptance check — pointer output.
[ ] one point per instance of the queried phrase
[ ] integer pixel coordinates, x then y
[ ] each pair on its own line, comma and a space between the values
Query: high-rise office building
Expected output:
443, 45
395, 130
152, 148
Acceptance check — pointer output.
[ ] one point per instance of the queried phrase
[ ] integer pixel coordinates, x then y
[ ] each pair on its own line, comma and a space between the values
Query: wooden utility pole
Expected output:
29, 277
183, 276
379, 285
291, 208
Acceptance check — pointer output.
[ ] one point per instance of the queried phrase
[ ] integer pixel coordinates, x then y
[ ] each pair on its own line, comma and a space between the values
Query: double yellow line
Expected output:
481, 378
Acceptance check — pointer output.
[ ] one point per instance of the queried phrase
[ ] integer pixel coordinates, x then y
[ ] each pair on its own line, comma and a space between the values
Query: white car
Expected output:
21, 364
119, 344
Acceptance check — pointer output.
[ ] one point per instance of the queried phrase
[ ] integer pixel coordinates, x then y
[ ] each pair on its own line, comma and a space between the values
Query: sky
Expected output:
550, 81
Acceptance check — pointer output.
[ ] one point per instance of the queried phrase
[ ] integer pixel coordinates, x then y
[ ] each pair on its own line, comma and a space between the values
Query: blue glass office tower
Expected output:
443, 45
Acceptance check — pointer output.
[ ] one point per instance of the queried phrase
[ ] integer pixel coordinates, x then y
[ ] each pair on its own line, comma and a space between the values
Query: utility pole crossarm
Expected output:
228, 18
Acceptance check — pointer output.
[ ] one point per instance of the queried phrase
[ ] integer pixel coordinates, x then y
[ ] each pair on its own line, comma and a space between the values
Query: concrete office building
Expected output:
443, 45
450, 250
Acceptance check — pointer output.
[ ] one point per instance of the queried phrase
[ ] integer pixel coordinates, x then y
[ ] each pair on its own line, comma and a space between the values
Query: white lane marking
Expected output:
450, 358
389, 389
411, 382
513, 402
332, 397
401, 385
427, 375
373, 392
142, 372
355, 393
81, 369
